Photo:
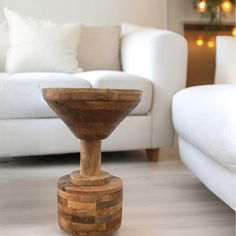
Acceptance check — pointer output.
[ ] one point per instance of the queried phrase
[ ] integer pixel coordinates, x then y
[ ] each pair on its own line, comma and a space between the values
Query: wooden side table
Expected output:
90, 200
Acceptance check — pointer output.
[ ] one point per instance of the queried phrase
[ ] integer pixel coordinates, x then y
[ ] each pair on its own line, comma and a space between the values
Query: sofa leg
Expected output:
153, 154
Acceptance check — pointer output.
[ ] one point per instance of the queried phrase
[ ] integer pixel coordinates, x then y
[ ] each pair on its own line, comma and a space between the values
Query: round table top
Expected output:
92, 113
91, 94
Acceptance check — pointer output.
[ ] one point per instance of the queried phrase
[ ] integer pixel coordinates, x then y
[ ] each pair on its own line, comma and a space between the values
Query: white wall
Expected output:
176, 11
143, 12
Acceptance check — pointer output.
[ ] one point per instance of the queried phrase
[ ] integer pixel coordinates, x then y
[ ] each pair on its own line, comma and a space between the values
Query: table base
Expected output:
89, 210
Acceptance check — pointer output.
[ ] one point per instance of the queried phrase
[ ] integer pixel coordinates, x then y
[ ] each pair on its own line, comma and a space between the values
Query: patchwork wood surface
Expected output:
89, 210
90, 200
92, 114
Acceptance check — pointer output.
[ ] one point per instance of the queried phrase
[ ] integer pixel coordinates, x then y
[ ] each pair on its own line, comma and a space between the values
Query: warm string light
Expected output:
210, 43
220, 6
202, 6
234, 31
200, 42
226, 6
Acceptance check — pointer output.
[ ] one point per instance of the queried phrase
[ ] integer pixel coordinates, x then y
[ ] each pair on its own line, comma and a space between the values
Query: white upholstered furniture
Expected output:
151, 60
205, 119
225, 60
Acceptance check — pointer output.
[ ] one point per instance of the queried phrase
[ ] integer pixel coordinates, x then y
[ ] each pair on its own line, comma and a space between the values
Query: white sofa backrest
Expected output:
99, 47
4, 43
225, 60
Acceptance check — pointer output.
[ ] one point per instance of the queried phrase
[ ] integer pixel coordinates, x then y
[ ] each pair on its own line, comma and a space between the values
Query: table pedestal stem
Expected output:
90, 158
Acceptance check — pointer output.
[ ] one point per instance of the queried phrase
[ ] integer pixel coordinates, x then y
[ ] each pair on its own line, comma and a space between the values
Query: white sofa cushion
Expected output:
220, 180
99, 48
205, 116
41, 46
21, 94
4, 44
121, 80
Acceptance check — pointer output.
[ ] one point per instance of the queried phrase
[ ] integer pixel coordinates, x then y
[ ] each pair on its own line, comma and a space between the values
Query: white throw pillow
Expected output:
99, 48
41, 46
4, 44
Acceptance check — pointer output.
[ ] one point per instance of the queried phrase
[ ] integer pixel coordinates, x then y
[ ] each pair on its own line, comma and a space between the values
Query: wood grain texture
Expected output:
90, 158
153, 154
92, 113
89, 210
78, 179
90, 201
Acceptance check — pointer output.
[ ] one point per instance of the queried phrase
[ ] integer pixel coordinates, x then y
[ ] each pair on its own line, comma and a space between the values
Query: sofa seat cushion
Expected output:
21, 94
121, 80
205, 116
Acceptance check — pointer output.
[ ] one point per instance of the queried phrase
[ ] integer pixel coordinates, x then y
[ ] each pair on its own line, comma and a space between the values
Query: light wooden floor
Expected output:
160, 199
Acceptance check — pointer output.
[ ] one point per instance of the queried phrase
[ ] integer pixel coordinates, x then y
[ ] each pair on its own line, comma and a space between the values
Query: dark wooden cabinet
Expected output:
201, 58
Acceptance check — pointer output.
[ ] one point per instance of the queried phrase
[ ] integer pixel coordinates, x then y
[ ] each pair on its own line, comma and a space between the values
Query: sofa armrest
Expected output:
205, 116
161, 56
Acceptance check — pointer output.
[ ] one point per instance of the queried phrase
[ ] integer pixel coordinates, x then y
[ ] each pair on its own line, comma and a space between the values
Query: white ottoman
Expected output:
205, 119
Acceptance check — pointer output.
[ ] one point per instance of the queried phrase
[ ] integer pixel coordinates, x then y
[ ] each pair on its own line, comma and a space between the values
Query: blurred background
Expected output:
200, 21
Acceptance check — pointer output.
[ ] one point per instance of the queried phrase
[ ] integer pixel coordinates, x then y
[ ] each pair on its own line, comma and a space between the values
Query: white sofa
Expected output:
152, 60
205, 119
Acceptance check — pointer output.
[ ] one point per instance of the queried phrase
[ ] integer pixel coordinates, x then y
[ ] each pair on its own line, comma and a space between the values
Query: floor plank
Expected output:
160, 199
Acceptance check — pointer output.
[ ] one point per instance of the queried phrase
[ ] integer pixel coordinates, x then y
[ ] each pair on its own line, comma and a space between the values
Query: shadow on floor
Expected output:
64, 159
